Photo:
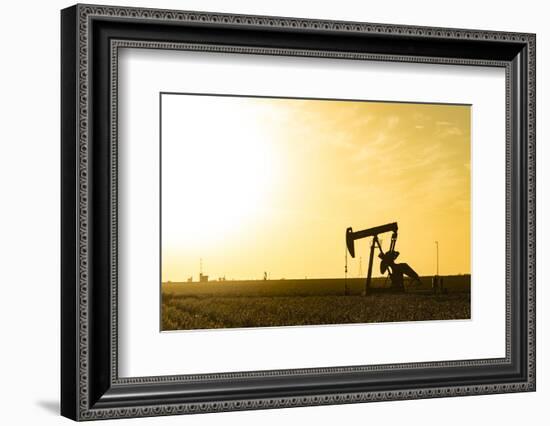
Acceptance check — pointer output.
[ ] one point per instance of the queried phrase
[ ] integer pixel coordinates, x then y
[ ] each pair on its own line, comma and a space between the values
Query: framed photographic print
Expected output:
263, 212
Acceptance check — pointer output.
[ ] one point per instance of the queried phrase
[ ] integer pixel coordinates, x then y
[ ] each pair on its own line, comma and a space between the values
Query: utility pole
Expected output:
437, 257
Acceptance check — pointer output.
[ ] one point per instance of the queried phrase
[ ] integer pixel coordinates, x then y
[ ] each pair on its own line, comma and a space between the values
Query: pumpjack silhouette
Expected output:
396, 271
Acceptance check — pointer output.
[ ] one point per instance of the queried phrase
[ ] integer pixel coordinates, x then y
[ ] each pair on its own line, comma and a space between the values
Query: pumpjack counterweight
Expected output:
387, 259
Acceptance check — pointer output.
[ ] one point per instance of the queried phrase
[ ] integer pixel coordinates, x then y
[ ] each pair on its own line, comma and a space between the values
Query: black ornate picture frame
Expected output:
90, 385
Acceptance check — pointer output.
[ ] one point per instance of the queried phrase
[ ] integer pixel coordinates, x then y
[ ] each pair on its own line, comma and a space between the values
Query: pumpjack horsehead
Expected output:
387, 259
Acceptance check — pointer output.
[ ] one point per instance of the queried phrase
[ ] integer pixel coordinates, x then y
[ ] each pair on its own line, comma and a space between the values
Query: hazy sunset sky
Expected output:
256, 184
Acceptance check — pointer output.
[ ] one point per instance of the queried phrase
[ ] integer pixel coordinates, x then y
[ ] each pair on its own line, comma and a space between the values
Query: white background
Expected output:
29, 229
142, 346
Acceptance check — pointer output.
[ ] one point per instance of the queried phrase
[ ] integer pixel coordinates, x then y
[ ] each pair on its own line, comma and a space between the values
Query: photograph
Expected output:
288, 211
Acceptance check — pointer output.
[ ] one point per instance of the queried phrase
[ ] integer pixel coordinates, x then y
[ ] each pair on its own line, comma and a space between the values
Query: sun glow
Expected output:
218, 172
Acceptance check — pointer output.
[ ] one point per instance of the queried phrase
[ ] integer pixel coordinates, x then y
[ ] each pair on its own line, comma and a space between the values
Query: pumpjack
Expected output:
387, 259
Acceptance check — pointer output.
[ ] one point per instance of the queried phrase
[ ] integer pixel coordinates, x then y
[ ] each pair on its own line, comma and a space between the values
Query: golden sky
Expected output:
256, 184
